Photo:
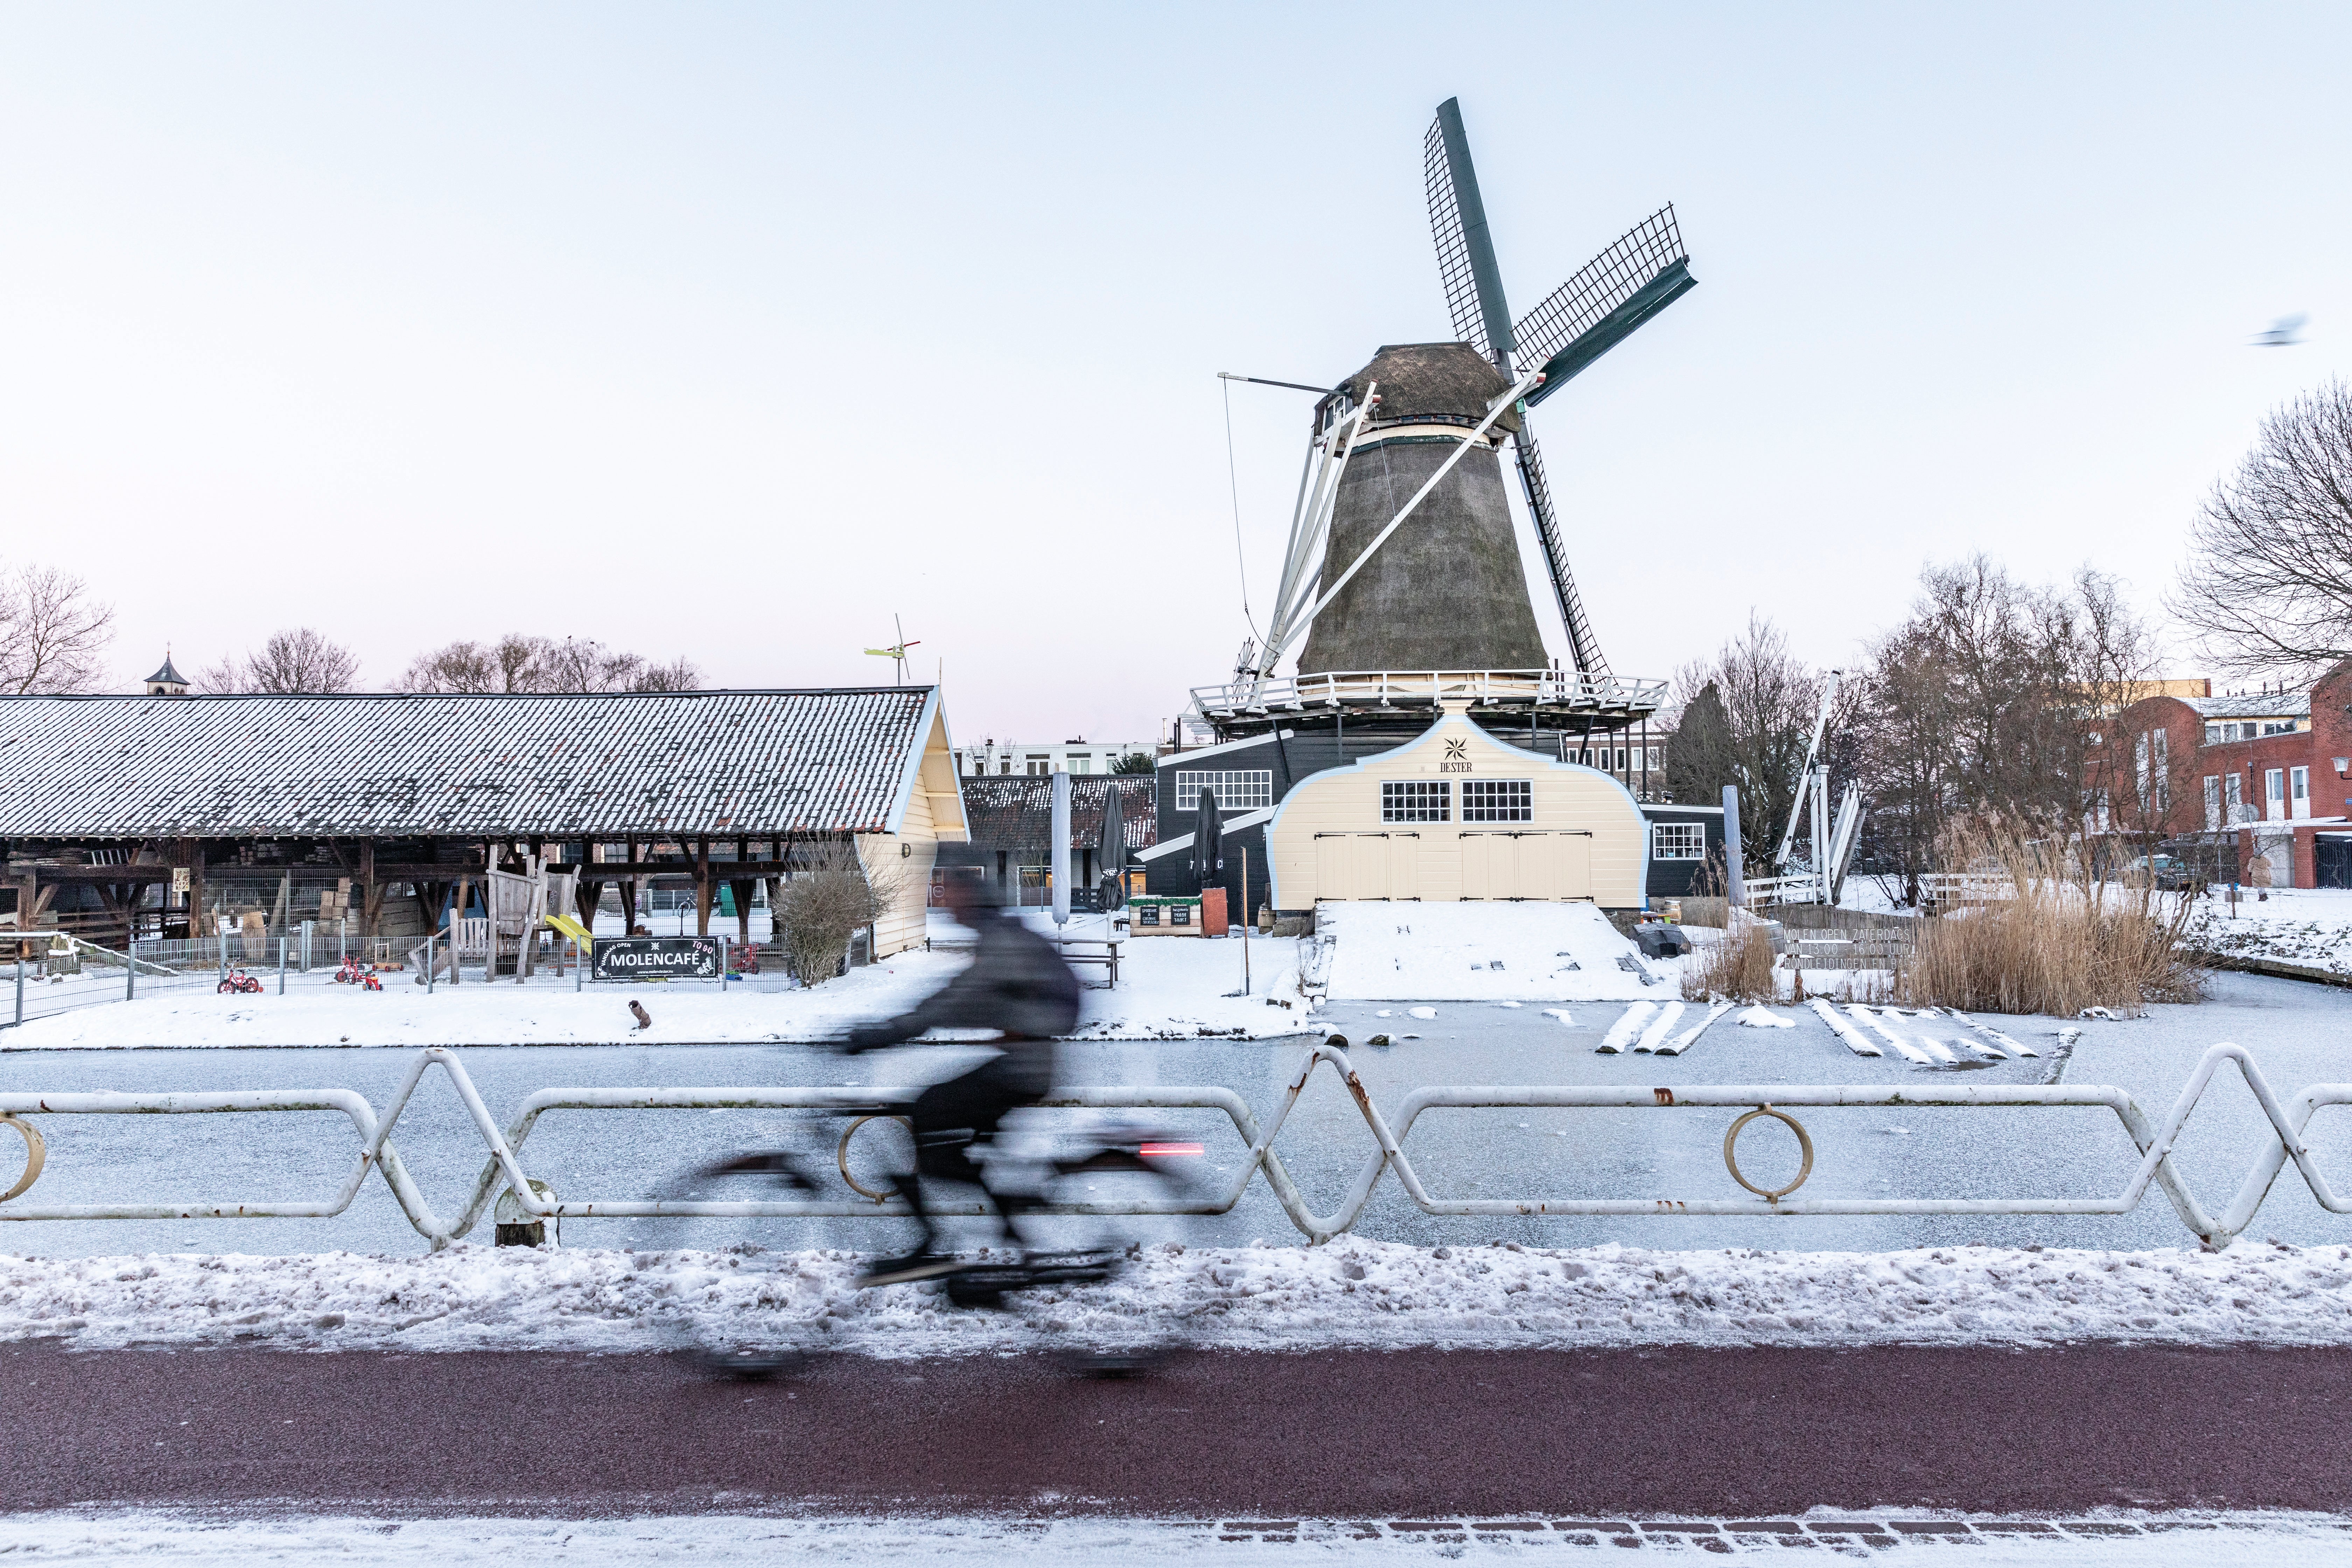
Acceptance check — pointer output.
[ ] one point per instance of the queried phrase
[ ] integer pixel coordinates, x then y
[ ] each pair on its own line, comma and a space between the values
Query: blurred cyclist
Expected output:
1019, 985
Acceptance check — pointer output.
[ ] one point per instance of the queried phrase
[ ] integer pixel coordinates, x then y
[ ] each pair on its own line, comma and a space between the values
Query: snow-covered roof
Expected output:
1015, 811
2262, 705
721, 762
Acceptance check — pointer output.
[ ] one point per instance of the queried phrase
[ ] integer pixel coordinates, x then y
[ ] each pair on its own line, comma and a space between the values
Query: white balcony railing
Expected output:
1610, 694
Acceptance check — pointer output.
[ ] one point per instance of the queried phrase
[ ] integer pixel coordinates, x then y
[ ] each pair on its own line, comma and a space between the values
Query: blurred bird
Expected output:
2284, 333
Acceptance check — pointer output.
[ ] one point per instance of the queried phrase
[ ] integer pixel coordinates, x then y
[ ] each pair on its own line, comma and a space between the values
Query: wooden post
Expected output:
456, 914
743, 892
702, 886
371, 900
629, 893
197, 920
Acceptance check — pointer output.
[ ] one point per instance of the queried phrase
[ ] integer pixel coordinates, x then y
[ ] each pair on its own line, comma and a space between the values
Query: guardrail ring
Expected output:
841, 1156
1804, 1145
36, 1151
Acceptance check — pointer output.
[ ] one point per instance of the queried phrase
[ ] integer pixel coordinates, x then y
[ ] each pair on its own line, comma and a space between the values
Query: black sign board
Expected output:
656, 958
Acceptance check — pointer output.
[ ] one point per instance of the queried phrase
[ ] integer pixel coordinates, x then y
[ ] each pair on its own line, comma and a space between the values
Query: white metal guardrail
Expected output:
504, 1171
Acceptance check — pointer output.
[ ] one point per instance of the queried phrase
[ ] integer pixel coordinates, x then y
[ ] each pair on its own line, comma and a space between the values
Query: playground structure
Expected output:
507, 939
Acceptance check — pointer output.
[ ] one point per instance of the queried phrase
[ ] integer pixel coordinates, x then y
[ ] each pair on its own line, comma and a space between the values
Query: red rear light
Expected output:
1166, 1150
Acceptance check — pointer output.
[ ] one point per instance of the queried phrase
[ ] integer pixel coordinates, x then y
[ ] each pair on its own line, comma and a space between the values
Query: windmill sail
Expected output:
1643, 272
1583, 648
1466, 253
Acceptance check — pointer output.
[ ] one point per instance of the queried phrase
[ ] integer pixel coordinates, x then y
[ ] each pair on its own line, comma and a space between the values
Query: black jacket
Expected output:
1017, 983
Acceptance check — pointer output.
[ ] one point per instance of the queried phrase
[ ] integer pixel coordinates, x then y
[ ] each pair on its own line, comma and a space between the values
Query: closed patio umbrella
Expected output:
1111, 853
1207, 842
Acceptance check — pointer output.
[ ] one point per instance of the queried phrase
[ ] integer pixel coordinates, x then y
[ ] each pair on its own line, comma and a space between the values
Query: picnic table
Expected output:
1101, 950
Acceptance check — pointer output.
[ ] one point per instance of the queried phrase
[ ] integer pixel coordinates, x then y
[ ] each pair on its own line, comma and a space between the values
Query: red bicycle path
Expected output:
1335, 1435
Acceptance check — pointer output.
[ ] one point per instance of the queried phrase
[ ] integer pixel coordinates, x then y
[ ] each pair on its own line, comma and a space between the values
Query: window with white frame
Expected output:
2234, 795
1498, 800
1416, 800
1677, 841
1237, 789
2298, 784
1080, 763
2212, 802
2275, 787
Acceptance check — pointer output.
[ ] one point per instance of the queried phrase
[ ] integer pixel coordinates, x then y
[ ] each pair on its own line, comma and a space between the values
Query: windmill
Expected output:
1413, 437
1641, 274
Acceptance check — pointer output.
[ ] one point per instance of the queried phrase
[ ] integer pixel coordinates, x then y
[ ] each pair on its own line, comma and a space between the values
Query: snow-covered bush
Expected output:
828, 899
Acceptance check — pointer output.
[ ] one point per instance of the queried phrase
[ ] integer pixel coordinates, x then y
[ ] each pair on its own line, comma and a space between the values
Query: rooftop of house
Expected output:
2261, 705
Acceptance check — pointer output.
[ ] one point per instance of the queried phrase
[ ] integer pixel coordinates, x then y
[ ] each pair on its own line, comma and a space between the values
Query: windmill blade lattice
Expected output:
1453, 268
1583, 647
1637, 261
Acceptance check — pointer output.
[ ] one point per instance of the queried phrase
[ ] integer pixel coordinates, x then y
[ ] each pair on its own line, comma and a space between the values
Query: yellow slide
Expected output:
574, 930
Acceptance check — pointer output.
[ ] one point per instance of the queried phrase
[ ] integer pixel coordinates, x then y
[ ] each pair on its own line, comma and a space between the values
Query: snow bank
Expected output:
1056, 1532
1168, 990
2306, 926
1485, 953
1353, 1291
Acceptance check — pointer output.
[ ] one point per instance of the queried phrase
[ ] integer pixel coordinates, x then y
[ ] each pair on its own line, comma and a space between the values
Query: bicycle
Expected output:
238, 980
1022, 1166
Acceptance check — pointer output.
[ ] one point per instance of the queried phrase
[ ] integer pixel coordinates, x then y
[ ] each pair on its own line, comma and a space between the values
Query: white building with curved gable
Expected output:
1458, 815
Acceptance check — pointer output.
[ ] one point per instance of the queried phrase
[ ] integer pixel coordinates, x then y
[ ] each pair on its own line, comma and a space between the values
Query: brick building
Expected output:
2271, 770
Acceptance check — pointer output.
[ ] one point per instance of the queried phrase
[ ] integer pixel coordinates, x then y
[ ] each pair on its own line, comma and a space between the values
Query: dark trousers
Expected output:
952, 1117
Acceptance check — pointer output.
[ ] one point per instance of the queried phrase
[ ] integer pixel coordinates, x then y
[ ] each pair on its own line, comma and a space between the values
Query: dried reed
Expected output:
1736, 969
2039, 928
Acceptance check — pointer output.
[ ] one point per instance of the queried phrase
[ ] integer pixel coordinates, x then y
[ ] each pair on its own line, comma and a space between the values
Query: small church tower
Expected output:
167, 681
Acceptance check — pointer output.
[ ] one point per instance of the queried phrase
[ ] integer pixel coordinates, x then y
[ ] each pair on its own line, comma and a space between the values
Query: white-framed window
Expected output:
1416, 800
1498, 800
1677, 841
2234, 795
1080, 763
1238, 789
2212, 802
2298, 791
2274, 793
1039, 767
2278, 726
2163, 771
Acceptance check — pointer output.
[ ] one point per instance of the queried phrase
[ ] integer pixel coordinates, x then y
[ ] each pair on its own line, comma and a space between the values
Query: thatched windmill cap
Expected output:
1433, 381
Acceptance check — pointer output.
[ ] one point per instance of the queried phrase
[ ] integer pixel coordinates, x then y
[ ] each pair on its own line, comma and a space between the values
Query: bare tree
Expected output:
2268, 586
51, 632
460, 667
1996, 696
1767, 699
290, 662
678, 675
518, 662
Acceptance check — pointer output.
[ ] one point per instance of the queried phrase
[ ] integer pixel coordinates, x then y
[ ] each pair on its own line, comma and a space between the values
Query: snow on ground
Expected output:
1485, 953
1353, 1291
208, 1537
1170, 989
2309, 926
